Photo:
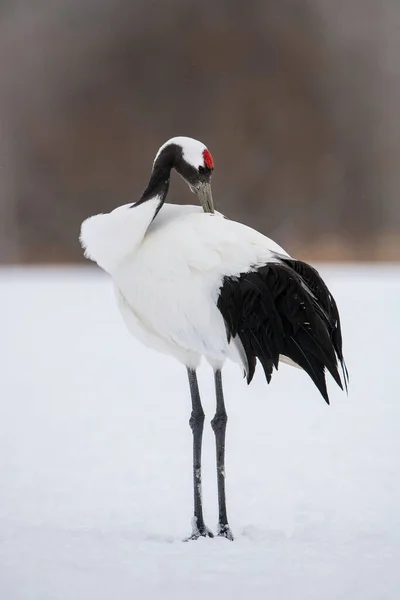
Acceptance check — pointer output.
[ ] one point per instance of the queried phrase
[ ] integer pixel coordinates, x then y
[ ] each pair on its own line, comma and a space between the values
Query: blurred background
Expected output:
298, 101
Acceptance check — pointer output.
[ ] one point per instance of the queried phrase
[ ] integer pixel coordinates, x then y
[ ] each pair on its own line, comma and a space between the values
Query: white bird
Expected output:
191, 283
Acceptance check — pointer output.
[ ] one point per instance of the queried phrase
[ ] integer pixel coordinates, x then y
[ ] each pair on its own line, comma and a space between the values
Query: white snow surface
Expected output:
95, 447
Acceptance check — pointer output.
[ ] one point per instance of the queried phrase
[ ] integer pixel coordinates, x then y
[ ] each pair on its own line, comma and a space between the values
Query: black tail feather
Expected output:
284, 308
327, 302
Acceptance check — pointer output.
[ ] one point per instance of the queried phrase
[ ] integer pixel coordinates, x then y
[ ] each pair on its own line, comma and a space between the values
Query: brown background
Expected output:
298, 101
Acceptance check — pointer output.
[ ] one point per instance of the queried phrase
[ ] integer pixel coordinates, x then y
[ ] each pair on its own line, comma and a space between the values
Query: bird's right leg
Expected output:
219, 426
197, 424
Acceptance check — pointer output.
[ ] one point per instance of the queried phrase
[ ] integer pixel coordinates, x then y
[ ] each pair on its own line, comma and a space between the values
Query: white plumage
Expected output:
191, 283
168, 274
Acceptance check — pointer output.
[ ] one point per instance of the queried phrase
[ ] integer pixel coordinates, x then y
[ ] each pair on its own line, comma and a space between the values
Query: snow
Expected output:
95, 469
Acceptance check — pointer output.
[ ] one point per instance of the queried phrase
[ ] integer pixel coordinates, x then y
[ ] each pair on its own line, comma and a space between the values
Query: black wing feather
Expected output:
284, 308
324, 299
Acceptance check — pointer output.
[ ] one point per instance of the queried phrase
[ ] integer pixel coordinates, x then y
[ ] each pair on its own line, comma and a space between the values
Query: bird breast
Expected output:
172, 281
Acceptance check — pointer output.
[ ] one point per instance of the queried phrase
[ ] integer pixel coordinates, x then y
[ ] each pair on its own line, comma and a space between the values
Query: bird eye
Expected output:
202, 169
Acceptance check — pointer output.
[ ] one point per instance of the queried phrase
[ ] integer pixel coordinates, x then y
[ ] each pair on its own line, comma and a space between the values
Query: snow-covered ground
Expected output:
95, 457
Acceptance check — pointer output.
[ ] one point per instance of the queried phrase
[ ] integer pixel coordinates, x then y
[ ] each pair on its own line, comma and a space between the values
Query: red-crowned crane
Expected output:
191, 283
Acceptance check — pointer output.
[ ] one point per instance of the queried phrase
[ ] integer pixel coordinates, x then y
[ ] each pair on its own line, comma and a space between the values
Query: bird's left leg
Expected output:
219, 426
197, 425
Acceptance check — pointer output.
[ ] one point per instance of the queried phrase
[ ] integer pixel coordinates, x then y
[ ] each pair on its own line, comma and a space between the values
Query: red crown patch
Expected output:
208, 159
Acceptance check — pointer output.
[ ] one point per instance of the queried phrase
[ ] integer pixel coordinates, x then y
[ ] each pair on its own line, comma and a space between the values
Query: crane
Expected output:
193, 284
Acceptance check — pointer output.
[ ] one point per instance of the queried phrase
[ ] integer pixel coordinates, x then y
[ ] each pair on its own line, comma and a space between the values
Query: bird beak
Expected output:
204, 195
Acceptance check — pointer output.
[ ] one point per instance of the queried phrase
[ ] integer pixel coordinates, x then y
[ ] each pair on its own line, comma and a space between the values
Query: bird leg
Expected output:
196, 423
219, 426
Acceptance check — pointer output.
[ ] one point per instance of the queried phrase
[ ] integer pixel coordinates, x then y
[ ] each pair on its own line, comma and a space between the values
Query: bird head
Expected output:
193, 161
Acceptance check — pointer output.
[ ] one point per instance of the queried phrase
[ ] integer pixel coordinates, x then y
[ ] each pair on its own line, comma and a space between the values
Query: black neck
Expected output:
158, 184
160, 176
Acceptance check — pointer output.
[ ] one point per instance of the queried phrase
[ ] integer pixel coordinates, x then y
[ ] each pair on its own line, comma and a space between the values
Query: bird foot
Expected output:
225, 531
199, 531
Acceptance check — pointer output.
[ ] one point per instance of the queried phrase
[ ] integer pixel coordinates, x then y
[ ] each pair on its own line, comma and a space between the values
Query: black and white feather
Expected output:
284, 310
193, 284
